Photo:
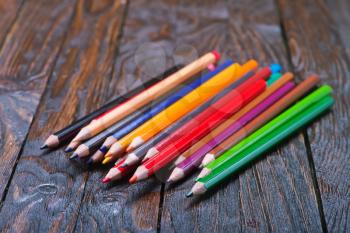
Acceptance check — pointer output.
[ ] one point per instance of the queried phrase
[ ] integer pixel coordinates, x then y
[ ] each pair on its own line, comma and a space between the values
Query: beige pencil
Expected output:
146, 96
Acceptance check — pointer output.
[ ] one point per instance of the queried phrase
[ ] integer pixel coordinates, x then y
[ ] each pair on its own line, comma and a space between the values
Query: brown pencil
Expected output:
271, 112
283, 80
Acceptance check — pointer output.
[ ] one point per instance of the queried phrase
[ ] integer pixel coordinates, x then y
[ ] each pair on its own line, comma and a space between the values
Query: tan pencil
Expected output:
145, 97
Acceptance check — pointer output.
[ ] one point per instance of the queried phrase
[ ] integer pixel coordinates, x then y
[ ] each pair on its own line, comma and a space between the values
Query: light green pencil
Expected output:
236, 163
297, 108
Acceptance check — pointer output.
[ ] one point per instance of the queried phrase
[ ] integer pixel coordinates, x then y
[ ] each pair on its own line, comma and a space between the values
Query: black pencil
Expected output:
71, 130
94, 143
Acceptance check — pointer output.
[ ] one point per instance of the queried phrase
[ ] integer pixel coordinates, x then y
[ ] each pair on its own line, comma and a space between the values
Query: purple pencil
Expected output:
193, 161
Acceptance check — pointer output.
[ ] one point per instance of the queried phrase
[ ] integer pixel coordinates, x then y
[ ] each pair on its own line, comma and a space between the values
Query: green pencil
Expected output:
242, 159
297, 108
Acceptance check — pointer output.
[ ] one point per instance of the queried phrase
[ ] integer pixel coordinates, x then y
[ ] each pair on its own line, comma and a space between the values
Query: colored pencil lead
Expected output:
106, 160
133, 180
68, 150
44, 146
89, 162
103, 149
189, 194
51, 141
106, 180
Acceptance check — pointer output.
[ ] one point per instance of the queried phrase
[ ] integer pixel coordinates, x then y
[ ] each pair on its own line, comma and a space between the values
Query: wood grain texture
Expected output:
26, 60
275, 194
9, 10
46, 189
316, 46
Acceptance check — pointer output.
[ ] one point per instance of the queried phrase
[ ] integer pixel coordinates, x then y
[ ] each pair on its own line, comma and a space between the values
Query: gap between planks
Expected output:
3, 198
304, 131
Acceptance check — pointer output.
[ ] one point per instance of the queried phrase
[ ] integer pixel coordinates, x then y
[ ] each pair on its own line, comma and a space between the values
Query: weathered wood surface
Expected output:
85, 51
27, 57
9, 10
46, 189
316, 46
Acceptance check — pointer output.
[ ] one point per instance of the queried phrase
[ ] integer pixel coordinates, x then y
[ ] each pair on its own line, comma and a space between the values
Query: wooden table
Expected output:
61, 59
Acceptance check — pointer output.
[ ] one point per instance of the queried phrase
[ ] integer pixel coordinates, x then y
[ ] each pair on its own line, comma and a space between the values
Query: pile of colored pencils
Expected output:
219, 121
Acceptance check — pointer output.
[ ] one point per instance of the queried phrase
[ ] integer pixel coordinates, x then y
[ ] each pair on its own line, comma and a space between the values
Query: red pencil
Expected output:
262, 74
117, 172
236, 99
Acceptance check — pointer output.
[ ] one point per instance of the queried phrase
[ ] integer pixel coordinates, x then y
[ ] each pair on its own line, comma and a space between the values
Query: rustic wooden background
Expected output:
60, 59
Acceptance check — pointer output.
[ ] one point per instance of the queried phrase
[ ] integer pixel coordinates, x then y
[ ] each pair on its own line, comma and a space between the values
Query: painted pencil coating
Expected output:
236, 163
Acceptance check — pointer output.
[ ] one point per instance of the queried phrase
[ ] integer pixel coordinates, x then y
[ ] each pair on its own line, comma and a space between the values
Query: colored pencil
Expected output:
195, 98
289, 114
194, 160
93, 143
238, 161
146, 96
272, 87
138, 154
299, 91
211, 117
163, 105
71, 130
117, 172
262, 74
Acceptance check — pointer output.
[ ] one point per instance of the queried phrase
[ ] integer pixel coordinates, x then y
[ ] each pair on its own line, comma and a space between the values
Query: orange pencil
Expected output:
275, 86
180, 108
145, 97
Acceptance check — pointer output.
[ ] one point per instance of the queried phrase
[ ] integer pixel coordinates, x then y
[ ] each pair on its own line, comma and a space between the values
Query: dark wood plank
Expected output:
9, 9
26, 61
276, 194
339, 9
316, 46
46, 189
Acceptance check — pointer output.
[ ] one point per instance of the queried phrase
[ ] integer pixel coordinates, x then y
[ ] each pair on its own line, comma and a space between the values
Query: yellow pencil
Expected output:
145, 97
180, 108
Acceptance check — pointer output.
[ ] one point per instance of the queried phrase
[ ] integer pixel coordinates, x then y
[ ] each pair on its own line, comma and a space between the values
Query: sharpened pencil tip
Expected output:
89, 162
133, 180
170, 182
44, 146
104, 149
106, 160
189, 194
73, 156
68, 149
106, 180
